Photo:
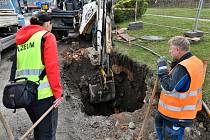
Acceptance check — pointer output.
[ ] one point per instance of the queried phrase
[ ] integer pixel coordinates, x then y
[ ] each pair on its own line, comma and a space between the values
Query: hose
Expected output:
145, 48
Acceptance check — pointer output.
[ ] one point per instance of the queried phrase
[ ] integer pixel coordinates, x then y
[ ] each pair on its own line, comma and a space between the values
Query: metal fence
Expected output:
183, 12
177, 3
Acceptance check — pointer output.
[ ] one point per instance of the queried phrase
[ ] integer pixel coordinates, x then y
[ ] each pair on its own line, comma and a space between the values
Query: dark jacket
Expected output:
178, 75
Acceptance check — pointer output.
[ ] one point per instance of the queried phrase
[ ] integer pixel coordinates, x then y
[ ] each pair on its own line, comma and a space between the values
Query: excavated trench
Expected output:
129, 77
133, 81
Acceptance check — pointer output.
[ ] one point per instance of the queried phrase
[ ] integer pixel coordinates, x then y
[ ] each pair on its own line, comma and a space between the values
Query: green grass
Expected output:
200, 49
182, 12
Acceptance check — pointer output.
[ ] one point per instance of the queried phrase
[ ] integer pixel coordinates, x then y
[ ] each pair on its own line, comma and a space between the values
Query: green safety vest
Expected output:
29, 63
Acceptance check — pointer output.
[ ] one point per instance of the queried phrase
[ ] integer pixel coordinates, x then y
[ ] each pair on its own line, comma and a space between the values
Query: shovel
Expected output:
148, 109
55, 105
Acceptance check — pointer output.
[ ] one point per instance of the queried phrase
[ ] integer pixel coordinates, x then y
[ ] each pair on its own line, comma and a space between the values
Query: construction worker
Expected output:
36, 51
181, 94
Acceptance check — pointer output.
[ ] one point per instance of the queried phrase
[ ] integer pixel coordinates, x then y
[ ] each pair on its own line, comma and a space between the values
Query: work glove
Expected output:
162, 66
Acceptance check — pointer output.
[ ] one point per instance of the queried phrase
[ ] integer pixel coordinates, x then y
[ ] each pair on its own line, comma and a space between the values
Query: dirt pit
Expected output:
129, 80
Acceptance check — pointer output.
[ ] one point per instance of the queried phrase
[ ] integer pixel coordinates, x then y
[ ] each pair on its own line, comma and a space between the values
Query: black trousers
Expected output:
46, 129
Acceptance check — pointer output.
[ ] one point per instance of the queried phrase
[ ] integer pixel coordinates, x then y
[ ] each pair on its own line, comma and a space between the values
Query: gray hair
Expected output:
180, 42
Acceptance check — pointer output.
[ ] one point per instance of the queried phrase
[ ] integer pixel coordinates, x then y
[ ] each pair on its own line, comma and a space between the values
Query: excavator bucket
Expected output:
100, 93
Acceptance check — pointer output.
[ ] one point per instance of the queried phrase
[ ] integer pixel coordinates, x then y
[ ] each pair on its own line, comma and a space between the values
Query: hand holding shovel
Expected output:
55, 105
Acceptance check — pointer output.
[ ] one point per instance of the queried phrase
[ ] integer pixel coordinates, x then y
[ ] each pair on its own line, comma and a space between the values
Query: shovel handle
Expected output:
37, 122
205, 63
55, 105
148, 109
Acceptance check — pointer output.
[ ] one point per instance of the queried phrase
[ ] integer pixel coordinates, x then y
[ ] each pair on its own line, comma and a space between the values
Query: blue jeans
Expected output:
167, 129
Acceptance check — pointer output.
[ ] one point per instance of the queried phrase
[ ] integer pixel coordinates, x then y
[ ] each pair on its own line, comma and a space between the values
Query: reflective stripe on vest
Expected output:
184, 105
28, 72
25, 73
176, 94
43, 85
174, 108
29, 63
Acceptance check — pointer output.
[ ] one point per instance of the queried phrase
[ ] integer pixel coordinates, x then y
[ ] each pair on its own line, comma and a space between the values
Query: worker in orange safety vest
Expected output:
181, 95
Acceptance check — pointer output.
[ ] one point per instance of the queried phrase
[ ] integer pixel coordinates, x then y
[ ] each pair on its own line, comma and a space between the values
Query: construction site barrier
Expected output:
125, 9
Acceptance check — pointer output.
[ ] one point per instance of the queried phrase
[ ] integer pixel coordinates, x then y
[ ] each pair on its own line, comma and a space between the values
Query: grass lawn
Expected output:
182, 12
161, 26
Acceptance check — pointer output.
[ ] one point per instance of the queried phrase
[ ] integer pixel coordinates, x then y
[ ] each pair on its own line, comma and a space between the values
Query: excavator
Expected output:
98, 16
90, 17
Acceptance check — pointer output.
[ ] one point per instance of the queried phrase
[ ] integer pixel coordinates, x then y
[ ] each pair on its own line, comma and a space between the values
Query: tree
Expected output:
125, 9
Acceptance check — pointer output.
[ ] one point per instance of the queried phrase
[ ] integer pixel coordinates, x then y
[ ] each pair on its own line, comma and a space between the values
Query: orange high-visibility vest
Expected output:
185, 105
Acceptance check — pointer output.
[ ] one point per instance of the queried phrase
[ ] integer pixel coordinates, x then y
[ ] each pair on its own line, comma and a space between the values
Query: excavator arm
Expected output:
103, 89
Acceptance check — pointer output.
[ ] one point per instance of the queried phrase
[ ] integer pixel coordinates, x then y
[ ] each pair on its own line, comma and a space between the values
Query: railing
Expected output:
7, 41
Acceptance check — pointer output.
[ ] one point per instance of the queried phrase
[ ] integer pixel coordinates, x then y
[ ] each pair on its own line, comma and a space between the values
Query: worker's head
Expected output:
42, 19
179, 45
